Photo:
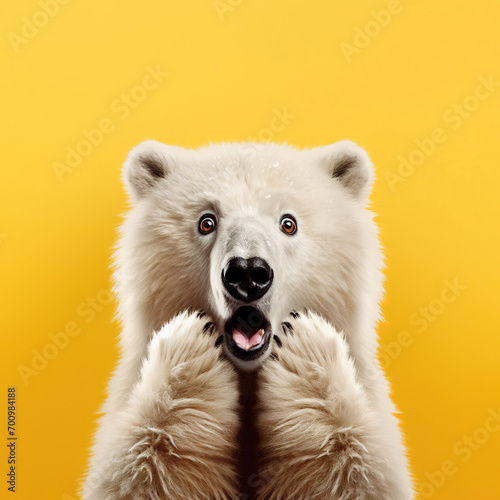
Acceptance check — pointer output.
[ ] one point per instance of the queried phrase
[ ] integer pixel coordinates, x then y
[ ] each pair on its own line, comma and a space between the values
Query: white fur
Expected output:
331, 266
323, 438
176, 427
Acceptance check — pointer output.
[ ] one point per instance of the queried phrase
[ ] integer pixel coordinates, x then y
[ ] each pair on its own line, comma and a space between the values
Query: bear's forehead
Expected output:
268, 179
251, 167
244, 184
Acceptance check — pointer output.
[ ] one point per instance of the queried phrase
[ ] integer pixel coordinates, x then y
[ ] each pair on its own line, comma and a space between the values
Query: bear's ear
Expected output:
146, 165
350, 165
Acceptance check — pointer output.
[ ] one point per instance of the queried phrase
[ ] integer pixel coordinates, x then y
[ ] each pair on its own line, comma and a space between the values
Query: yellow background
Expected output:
231, 65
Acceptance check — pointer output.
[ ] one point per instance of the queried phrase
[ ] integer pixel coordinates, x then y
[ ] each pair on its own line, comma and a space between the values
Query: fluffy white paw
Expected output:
315, 419
185, 346
180, 424
310, 338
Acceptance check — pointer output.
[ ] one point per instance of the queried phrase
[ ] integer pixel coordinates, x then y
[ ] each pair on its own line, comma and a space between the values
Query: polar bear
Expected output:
249, 279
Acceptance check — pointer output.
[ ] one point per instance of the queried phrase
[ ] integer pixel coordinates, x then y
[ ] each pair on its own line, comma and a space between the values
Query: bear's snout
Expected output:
247, 279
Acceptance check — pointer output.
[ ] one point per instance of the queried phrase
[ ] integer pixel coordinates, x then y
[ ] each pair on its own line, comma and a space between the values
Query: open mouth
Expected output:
247, 333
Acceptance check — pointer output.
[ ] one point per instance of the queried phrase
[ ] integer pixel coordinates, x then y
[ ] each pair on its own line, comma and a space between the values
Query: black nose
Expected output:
247, 279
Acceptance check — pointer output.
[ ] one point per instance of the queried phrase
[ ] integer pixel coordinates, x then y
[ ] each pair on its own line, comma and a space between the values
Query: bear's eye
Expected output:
207, 223
288, 224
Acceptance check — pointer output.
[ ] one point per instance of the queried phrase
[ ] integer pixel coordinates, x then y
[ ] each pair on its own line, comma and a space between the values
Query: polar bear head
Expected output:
248, 233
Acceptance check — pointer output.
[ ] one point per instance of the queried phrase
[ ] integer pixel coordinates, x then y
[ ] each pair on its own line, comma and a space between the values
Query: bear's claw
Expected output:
209, 327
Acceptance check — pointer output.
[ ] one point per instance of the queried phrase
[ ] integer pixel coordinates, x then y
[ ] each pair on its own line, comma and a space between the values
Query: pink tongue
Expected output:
246, 342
